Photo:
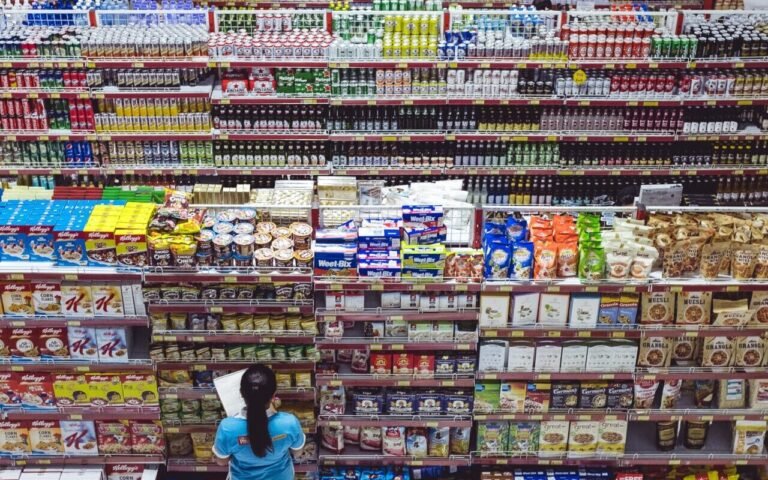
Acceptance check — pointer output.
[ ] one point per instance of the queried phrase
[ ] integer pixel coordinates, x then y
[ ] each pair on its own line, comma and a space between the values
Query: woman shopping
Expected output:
256, 442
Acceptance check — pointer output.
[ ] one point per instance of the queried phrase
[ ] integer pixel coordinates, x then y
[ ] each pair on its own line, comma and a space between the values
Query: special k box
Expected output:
45, 437
36, 390
76, 300
113, 344
82, 343
139, 389
17, 299
14, 437
79, 437
10, 396
107, 300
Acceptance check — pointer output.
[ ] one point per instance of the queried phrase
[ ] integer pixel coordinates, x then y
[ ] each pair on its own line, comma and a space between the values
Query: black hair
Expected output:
257, 388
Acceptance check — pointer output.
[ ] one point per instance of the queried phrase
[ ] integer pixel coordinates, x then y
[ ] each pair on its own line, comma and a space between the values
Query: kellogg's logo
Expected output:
67, 235
8, 229
40, 229
32, 378
99, 235
130, 238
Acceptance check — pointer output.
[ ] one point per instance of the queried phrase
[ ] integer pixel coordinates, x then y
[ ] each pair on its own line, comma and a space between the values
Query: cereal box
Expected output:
13, 238
5, 342
139, 389
125, 471
612, 437
24, 343
132, 249
46, 298
53, 342
553, 438
76, 300
9, 390
79, 437
112, 344
40, 243
114, 437
69, 247
582, 438
147, 437
82, 343
107, 300
14, 437
17, 299
100, 248
45, 437
105, 389
36, 390
70, 389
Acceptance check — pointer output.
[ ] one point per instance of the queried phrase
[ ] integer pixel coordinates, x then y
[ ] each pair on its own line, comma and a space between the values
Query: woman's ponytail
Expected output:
257, 388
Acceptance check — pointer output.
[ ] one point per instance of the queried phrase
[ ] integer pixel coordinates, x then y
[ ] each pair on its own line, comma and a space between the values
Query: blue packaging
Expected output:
459, 404
371, 238
425, 236
425, 215
400, 403
335, 261
380, 268
522, 261
429, 403
410, 272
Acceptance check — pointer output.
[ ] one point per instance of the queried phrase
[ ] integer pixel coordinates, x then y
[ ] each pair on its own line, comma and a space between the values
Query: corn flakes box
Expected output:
70, 390
17, 299
46, 298
14, 437
107, 300
76, 300
125, 471
79, 437
45, 437
5, 342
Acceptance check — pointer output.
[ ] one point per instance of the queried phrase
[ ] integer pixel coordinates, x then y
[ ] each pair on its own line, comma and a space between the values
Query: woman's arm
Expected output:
220, 449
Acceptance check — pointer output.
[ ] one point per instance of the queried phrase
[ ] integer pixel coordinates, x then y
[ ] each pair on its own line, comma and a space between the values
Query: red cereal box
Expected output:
147, 437
9, 390
53, 342
113, 437
5, 342
36, 390
381, 363
125, 471
24, 343
402, 363
424, 364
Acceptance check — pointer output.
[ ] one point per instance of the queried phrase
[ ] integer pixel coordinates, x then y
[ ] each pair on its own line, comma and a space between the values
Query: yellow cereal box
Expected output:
139, 389
70, 389
105, 389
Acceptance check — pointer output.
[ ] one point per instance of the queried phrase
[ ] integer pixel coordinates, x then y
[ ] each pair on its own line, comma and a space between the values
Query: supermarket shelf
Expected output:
271, 63
628, 460
398, 172
213, 170
153, 136
174, 62
22, 170
641, 171
542, 376
520, 100
394, 315
222, 306
391, 345
568, 285
30, 93
377, 380
414, 136
233, 275
198, 91
200, 365
573, 414
394, 285
48, 271
354, 455
238, 336
630, 331
8, 365
41, 321
85, 413
308, 427
218, 98
397, 420
633, 415
702, 285
42, 62
272, 136
201, 393
78, 460
192, 465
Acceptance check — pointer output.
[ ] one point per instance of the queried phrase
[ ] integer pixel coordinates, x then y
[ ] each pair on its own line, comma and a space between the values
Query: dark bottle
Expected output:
695, 434
666, 436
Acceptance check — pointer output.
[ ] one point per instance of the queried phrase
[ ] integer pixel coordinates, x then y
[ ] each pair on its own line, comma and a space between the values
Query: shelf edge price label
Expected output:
215, 309
75, 416
376, 346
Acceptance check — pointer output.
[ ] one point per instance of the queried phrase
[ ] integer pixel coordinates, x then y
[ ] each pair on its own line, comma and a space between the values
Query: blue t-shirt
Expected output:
232, 441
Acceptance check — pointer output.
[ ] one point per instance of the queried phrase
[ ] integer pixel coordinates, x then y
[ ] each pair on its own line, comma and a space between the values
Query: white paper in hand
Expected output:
228, 388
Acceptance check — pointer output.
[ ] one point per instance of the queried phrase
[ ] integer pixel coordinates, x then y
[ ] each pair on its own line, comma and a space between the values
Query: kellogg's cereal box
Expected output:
70, 390
46, 298
36, 390
53, 342
9, 390
24, 343
107, 300
105, 389
79, 437
139, 389
45, 437
125, 471
69, 248
114, 437
82, 343
17, 299
112, 344
148, 437
100, 248
13, 239
14, 437
5, 342
76, 300
40, 243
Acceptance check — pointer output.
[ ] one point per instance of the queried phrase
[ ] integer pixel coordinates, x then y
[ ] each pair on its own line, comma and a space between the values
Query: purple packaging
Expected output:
445, 364
459, 403
429, 403
400, 403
